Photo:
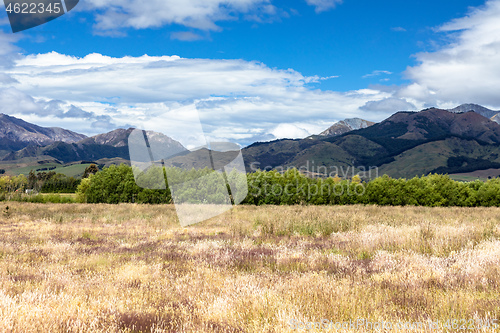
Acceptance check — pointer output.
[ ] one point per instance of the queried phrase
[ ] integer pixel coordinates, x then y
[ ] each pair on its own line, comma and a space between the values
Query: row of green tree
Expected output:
43, 182
52, 182
117, 184
433, 190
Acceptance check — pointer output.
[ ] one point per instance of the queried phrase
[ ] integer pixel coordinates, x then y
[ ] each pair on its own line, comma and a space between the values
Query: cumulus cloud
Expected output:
289, 131
198, 14
112, 16
249, 98
165, 80
15, 101
298, 130
104, 122
76, 112
149, 79
324, 5
466, 70
389, 105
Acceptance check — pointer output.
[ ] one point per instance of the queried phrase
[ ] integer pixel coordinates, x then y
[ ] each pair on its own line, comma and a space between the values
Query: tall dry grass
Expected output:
132, 268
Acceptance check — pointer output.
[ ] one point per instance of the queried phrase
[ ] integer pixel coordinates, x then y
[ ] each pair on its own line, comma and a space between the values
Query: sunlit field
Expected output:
132, 268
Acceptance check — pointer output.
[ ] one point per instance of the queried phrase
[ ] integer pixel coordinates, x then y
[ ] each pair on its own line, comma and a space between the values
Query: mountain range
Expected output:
460, 140
27, 144
16, 134
407, 144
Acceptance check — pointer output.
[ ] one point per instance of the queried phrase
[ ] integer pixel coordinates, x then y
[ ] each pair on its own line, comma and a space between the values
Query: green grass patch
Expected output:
74, 170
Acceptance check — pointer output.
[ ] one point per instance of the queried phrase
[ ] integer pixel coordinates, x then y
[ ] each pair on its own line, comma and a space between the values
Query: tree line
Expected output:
43, 181
291, 187
117, 184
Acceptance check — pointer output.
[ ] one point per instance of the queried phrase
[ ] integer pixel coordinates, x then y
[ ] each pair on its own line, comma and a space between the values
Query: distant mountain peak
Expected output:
468, 107
18, 131
20, 139
345, 126
475, 108
119, 138
485, 112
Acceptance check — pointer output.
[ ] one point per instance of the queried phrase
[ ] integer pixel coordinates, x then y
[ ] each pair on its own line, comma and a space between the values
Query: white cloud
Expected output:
289, 131
468, 69
324, 5
8, 49
376, 73
248, 97
6, 79
389, 105
150, 79
298, 130
15, 101
198, 14
112, 16
54, 112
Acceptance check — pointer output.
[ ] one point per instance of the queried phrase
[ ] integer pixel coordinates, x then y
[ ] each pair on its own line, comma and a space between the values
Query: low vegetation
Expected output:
117, 184
131, 268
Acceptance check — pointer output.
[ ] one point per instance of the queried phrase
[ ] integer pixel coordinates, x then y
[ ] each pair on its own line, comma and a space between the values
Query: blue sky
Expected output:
254, 69
350, 41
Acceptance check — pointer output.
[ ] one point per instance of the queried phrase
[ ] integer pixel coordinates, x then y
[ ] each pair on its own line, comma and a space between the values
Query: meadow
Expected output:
132, 268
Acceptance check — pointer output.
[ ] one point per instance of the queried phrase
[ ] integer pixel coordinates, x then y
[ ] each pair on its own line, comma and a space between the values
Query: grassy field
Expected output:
63, 195
131, 268
482, 175
70, 170
466, 178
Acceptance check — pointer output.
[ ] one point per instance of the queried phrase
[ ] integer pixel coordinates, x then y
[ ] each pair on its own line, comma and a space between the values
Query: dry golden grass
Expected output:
132, 268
